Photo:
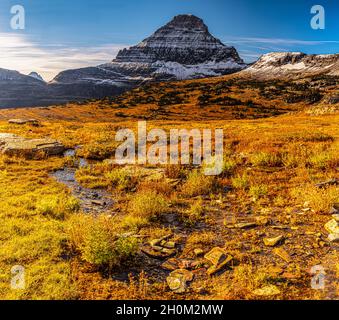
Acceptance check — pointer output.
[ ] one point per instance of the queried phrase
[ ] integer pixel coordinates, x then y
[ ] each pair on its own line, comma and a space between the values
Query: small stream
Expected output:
94, 201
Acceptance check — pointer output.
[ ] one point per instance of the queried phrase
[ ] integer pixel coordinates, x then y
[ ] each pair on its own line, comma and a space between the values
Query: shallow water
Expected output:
94, 201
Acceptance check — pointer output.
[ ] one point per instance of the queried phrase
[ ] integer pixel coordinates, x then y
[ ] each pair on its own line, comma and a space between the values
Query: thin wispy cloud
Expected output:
19, 53
278, 41
251, 48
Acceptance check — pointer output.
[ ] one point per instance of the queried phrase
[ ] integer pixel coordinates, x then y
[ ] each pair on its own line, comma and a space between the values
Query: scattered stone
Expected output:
160, 248
281, 253
155, 242
219, 267
331, 182
267, 291
246, 225
168, 252
157, 252
272, 242
333, 237
198, 252
13, 145
32, 122
216, 256
219, 260
168, 244
280, 227
333, 211
171, 264
177, 280
332, 226
98, 202
263, 221
336, 217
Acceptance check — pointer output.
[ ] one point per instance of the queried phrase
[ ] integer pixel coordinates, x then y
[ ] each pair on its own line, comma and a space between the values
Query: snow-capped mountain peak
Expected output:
185, 40
182, 49
36, 75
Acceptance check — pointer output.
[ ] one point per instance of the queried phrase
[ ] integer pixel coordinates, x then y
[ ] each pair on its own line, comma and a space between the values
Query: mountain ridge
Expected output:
183, 49
293, 65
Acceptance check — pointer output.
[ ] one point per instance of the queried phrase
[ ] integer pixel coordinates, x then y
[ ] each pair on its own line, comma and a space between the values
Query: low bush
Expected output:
148, 205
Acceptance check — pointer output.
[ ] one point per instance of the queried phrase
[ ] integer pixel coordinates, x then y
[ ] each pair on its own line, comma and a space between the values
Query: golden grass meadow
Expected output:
119, 232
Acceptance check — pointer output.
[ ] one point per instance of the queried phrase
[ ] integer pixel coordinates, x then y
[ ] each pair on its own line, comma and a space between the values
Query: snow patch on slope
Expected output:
182, 72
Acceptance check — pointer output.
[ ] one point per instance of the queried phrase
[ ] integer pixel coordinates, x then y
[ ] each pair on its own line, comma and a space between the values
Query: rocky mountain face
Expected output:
185, 40
182, 49
292, 65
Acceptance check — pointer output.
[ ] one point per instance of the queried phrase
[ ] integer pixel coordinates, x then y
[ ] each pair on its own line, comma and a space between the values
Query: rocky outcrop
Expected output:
13, 145
185, 40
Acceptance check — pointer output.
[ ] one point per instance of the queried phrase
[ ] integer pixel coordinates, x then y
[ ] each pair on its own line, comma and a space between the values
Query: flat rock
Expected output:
168, 244
333, 237
281, 253
158, 252
262, 221
267, 291
334, 211
171, 264
246, 225
177, 280
332, 226
272, 242
198, 252
216, 256
219, 267
13, 145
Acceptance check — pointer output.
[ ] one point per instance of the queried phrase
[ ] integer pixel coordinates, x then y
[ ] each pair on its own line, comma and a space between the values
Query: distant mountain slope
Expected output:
18, 90
230, 97
293, 65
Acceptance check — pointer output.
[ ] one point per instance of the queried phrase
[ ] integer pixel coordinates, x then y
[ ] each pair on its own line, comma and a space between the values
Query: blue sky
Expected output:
63, 34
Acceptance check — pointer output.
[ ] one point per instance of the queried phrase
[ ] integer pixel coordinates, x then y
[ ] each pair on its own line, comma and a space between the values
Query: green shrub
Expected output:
102, 245
98, 245
57, 206
148, 205
258, 191
195, 212
198, 184
240, 182
118, 178
264, 159
319, 160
